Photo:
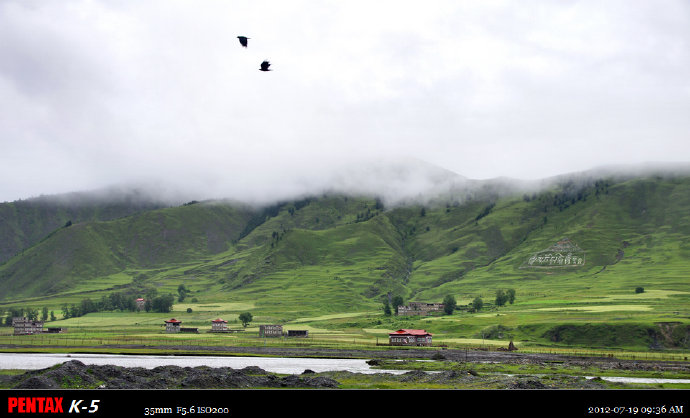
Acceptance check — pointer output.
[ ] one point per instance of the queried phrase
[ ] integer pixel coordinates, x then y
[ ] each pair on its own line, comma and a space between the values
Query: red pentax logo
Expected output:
31, 405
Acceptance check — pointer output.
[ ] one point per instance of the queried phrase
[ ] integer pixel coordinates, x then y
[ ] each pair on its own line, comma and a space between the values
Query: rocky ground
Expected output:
76, 375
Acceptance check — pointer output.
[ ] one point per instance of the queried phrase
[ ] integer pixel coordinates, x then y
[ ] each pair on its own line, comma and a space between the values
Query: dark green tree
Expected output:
31, 314
44, 314
13, 313
104, 304
52, 316
163, 303
386, 308
511, 295
397, 301
116, 301
477, 304
182, 292
88, 306
65, 311
449, 304
150, 293
639, 290
245, 318
501, 298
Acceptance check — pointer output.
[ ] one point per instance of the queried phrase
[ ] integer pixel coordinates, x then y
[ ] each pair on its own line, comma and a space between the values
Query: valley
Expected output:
329, 263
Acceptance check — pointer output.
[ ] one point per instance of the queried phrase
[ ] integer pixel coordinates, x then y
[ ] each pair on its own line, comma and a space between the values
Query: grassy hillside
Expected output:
24, 223
339, 255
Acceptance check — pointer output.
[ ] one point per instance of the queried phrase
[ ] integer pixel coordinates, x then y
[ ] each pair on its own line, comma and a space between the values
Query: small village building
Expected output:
219, 325
172, 325
410, 337
140, 303
420, 308
190, 330
55, 330
270, 331
298, 333
25, 326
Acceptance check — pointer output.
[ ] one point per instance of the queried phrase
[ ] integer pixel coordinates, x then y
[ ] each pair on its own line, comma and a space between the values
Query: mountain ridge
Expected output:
356, 246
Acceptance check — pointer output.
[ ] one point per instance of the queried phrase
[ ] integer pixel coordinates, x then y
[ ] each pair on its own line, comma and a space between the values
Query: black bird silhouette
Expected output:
243, 40
264, 66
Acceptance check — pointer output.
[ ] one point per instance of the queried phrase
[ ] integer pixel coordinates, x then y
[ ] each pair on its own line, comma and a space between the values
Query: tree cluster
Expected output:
117, 301
487, 209
396, 301
182, 292
365, 216
32, 314
277, 236
503, 296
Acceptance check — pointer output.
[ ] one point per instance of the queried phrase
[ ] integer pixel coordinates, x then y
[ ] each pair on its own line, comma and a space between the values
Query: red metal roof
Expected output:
410, 332
175, 321
218, 320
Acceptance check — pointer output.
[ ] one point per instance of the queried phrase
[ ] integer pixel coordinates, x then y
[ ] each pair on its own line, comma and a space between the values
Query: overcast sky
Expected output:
95, 93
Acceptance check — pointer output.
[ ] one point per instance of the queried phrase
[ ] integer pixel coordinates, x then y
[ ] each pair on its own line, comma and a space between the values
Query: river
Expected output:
282, 365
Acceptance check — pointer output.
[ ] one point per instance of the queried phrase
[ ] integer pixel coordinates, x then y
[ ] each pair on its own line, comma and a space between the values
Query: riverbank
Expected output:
429, 368
464, 355
467, 356
74, 374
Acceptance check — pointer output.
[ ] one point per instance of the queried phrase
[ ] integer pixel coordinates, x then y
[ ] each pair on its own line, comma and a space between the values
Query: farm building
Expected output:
173, 325
420, 308
55, 330
297, 333
190, 330
219, 325
270, 330
25, 326
410, 337
140, 303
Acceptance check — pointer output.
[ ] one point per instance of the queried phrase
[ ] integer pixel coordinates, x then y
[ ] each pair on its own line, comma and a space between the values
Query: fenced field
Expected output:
97, 341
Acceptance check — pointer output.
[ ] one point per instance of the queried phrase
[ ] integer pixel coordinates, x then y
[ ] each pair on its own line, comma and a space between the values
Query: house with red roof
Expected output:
219, 325
173, 325
410, 337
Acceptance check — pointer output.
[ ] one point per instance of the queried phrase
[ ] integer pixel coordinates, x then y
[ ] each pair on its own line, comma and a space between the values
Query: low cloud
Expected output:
105, 93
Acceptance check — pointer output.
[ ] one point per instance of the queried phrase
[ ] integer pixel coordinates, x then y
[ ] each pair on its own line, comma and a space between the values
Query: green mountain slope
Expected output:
345, 254
73, 255
631, 232
26, 222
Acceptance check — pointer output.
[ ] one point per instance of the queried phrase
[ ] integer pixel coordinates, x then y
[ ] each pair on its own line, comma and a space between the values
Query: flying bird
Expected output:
264, 66
243, 40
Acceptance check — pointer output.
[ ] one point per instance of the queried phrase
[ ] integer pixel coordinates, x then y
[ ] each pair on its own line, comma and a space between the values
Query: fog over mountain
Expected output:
395, 182
98, 94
